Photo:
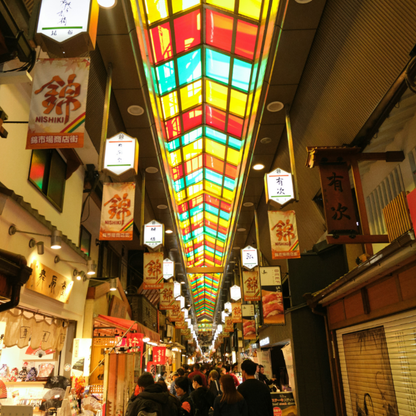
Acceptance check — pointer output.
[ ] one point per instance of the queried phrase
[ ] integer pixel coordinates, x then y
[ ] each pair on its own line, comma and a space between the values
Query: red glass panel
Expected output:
186, 230
192, 118
217, 261
208, 256
193, 164
197, 224
231, 171
182, 208
209, 244
235, 125
196, 201
162, 42
215, 118
212, 201
196, 245
214, 164
188, 31
211, 224
222, 229
219, 30
177, 172
225, 207
173, 128
246, 39
220, 249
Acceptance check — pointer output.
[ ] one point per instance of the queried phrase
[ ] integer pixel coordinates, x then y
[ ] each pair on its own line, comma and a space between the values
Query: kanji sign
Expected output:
283, 235
117, 211
168, 269
278, 186
159, 355
121, 156
58, 104
247, 310
251, 286
166, 297
152, 271
249, 257
154, 233
270, 276
337, 197
228, 327
174, 314
236, 312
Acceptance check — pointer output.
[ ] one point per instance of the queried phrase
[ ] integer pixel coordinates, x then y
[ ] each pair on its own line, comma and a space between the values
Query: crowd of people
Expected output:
204, 391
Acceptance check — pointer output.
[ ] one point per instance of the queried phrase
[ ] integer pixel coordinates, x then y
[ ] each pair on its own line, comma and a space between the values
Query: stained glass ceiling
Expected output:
204, 65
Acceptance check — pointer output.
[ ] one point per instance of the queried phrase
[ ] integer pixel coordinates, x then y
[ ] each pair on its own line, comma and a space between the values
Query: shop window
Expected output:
85, 240
48, 174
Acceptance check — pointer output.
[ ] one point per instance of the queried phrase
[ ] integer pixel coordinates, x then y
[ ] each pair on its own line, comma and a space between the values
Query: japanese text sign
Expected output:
166, 297
168, 269
236, 312
228, 327
58, 104
247, 310
152, 271
251, 286
283, 235
159, 355
337, 197
249, 257
117, 211
271, 295
279, 187
180, 322
270, 276
153, 234
174, 314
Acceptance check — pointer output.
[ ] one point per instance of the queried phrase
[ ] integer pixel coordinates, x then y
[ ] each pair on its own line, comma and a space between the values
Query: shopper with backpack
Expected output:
186, 402
202, 398
214, 385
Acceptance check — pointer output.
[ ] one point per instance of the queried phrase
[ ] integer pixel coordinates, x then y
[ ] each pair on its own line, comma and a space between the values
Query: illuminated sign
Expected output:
249, 257
264, 341
278, 187
153, 234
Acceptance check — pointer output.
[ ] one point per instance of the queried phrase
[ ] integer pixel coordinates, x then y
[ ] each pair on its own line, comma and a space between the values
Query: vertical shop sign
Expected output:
159, 355
151, 368
153, 235
278, 186
249, 257
58, 104
174, 314
247, 310
236, 312
249, 328
166, 297
283, 235
168, 269
229, 326
251, 286
117, 211
135, 343
152, 271
271, 295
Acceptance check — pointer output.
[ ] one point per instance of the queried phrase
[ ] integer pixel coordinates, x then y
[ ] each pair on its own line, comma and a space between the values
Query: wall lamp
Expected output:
79, 275
111, 280
56, 236
91, 266
40, 246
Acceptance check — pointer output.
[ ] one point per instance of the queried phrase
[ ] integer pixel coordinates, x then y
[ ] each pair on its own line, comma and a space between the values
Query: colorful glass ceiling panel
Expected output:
205, 65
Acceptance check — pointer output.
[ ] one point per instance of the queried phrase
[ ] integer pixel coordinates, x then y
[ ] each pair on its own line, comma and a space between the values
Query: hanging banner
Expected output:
278, 186
247, 310
166, 297
168, 269
229, 326
249, 257
159, 355
249, 329
251, 286
283, 235
151, 368
220, 338
236, 312
152, 271
58, 104
117, 211
180, 323
271, 295
174, 314
153, 234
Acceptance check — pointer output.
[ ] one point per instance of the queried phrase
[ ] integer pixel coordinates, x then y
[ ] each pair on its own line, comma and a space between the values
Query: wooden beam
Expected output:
359, 239
387, 156
203, 270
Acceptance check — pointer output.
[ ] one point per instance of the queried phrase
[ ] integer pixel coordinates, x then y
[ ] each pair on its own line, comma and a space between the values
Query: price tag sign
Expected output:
153, 235
279, 187
249, 257
168, 269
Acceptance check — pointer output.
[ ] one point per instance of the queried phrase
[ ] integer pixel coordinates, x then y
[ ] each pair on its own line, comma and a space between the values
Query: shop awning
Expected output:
126, 324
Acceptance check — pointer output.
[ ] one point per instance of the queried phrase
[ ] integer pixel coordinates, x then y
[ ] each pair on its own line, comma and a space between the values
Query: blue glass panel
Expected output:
241, 74
197, 232
210, 231
211, 209
213, 177
221, 236
209, 249
179, 185
225, 215
216, 135
229, 183
217, 66
166, 77
189, 67
197, 209
236, 144
194, 178
173, 145
187, 237
191, 136
184, 216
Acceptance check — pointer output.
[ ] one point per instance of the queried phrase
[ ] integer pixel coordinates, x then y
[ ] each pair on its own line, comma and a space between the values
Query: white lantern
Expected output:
227, 307
235, 292
176, 289
223, 315
181, 299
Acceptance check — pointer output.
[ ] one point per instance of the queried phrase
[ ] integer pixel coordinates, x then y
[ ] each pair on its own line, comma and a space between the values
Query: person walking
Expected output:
256, 393
214, 385
231, 403
182, 388
202, 398
196, 371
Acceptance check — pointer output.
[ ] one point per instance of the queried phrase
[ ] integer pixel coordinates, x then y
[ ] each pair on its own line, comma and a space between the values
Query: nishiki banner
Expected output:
58, 104
152, 271
180, 323
271, 295
284, 235
251, 286
236, 312
174, 314
159, 355
249, 329
166, 297
229, 326
117, 211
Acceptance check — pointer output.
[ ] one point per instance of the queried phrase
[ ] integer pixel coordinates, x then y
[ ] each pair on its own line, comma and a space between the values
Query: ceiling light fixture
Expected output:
91, 265
258, 166
241, 230
40, 246
168, 231
162, 206
275, 106
152, 169
265, 140
236, 248
113, 285
248, 204
135, 110
303, 1
146, 339
107, 4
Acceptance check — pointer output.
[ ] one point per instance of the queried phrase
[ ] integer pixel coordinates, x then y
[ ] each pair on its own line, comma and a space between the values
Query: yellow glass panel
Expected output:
184, 224
175, 158
227, 194
197, 218
170, 105
199, 239
191, 95
209, 262
211, 217
250, 8
194, 189
238, 103
192, 150
156, 10
210, 239
224, 223
220, 243
211, 187
233, 156
216, 94
179, 5
180, 196
215, 149
224, 4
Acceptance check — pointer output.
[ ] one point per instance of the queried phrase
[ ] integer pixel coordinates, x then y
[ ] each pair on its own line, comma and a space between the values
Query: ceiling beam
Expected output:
204, 270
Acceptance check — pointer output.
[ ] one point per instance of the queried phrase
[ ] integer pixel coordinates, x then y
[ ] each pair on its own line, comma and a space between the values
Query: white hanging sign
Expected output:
153, 235
249, 257
279, 187
168, 269
270, 276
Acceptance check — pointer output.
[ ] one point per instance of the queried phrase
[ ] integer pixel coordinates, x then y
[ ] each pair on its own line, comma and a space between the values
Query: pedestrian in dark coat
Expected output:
231, 403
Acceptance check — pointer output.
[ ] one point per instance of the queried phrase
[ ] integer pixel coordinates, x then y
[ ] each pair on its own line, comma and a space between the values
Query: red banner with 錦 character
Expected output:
58, 104
229, 326
236, 312
180, 323
159, 355
174, 314
152, 271
166, 297
283, 235
251, 286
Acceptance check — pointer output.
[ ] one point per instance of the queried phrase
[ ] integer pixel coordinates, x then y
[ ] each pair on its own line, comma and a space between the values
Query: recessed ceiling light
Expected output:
241, 230
152, 169
173, 249
303, 1
168, 231
248, 204
265, 140
107, 4
182, 283
135, 110
275, 106
258, 166
236, 248
162, 206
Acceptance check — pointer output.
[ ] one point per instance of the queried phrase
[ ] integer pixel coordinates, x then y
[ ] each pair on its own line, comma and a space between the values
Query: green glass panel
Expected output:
229, 183
179, 185
222, 236
213, 177
194, 178
211, 209
173, 145
217, 66
209, 249
236, 144
184, 216
241, 74
166, 77
225, 215
210, 231
197, 209
189, 67
191, 136
216, 135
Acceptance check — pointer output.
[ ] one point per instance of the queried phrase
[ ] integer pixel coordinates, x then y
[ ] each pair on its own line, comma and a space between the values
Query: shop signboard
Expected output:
284, 404
229, 326
180, 322
159, 355
251, 286
271, 295
152, 271
151, 368
58, 104
168, 269
278, 186
121, 157
117, 211
81, 356
249, 258
249, 328
49, 283
247, 310
236, 312
283, 235
166, 297
153, 234
174, 314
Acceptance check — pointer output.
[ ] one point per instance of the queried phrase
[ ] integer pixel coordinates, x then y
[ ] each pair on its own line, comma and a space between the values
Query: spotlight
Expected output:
113, 285
56, 236
56, 239
107, 4
91, 267
40, 247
